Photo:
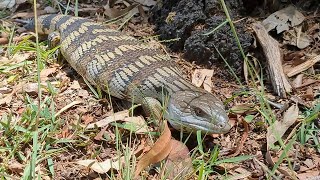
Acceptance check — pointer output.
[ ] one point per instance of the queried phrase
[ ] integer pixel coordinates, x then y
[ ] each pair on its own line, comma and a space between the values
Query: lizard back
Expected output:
118, 63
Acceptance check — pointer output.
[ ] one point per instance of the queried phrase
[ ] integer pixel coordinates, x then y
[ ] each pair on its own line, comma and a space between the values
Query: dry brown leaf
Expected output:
147, 2
26, 15
244, 137
297, 38
99, 136
83, 93
199, 76
241, 173
6, 100
75, 85
297, 82
158, 152
278, 128
100, 167
242, 108
207, 84
309, 175
16, 167
280, 19
115, 117
116, 13
87, 119
46, 72
309, 163
7, 4
31, 88
288, 172
309, 94
139, 123
179, 162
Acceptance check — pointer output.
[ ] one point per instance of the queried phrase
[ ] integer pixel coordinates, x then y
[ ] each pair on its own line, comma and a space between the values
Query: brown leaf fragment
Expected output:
7, 4
244, 137
240, 173
100, 167
179, 162
307, 82
288, 172
87, 119
158, 152
280, 19
278, 128
6, 99
116, 13
309, 94
273, 55
75, 85
26, 15
15, 166
309, 163
242, 108
297, 82
309, 175
303, 66
297, 38
99, 136
199, 76
298, 100
46, 72
115, 117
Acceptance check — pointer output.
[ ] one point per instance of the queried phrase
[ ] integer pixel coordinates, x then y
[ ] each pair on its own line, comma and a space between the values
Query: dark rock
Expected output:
190, 19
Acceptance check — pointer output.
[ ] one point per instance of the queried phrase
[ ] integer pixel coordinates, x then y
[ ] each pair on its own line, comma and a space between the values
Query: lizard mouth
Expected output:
203, 126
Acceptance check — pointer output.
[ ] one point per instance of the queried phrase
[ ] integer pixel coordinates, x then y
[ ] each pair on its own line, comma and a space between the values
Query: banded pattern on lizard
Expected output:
129, 69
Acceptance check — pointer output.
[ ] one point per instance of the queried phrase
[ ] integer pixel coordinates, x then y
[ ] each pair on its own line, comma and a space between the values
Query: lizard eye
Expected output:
199, 112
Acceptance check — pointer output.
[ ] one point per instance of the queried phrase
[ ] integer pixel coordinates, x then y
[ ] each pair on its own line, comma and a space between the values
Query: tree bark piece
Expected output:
304, 66
273, 55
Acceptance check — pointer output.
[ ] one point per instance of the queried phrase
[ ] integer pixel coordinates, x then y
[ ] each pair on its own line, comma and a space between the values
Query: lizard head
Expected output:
192, 111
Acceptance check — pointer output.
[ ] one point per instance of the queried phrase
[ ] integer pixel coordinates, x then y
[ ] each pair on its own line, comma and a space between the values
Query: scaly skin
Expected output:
129, 69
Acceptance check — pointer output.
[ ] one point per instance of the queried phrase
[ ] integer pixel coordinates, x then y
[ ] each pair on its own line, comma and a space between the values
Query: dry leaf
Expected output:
146, 2
31, 88
87, 119
7, 99
309, 175
46, 72
179, 162
241, 173
7, 4
113, 13
15, 166
280, 19
297, 38
100, 167
75, 85
138, 123
242, 108
99, 136
278, 128
297, 82
115, 117
158, 152
199, 76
